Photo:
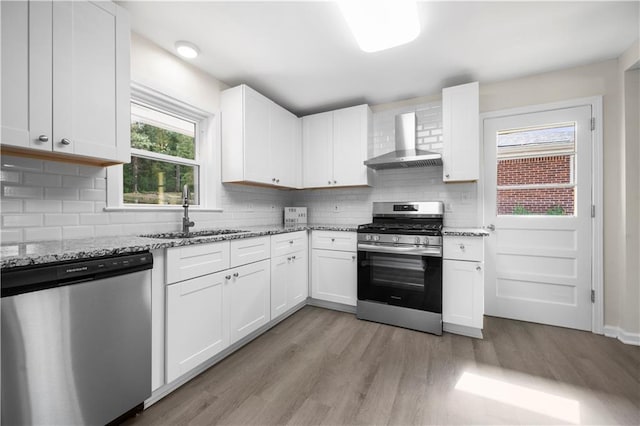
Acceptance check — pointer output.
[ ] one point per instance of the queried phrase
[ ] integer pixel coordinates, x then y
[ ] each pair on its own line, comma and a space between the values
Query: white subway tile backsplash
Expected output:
77, 206
11, 236
8, 205
92, 171
77, 182
42, 234
94, 219
61, 193
21, 220
100, 183
42, 206
93, 194
62, 219
40, 179
70, 232
65, 169
9, 176
21, 191
107, 230
20, 163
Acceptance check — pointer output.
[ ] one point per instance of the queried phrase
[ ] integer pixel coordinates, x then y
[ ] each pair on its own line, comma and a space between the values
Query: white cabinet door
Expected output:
26, 74
298, 280
76, 100
463, 293
350, 134
283, 146
196, 323
280, 275
334, 276
461, 133
317, 150
247, 298
257, 167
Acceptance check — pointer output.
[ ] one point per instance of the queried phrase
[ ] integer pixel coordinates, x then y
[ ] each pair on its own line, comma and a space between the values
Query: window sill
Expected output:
159, 209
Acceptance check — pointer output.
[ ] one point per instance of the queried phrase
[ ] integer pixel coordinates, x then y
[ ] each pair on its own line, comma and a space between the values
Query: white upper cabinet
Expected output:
334, 147
260, 140
65, 81
460, 131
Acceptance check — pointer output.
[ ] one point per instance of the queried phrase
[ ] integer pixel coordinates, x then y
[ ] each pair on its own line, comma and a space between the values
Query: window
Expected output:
172, 145
163, 158
536, 171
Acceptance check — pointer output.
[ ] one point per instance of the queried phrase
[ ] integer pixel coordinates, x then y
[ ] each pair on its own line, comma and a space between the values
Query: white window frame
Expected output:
205, 158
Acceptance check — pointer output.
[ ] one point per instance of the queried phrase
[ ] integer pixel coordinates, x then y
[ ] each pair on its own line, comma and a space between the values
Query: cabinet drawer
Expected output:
249, 250
196, 260
463, 248
288, 243
334, 240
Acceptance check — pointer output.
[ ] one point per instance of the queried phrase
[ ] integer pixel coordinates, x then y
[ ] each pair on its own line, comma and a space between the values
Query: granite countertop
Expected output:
464, 232
41, 252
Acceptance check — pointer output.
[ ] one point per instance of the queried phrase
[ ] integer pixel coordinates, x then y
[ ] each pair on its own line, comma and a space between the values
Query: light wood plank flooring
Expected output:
326, 367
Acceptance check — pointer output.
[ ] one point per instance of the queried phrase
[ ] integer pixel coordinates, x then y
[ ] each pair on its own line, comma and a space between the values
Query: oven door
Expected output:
407, 280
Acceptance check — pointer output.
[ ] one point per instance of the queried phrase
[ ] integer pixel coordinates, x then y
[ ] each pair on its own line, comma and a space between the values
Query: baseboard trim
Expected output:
622, 335
462, 330
331, 305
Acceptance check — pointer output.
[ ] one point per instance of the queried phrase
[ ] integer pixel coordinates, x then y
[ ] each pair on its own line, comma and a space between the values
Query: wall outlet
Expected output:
448, 207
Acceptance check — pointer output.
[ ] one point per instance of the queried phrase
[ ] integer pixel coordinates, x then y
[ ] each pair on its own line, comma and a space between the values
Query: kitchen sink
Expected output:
194, 234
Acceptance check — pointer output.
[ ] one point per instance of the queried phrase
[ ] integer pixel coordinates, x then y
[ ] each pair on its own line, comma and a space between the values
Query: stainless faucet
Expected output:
186, 223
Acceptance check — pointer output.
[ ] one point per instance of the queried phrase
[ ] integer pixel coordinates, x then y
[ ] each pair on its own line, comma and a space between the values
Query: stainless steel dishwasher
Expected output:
76, 340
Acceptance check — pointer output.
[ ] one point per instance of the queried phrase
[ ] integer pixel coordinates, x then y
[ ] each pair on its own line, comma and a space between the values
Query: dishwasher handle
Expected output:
25, 279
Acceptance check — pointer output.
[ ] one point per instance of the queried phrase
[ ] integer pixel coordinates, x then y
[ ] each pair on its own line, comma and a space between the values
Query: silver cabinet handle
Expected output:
291, 242
334, 182
65, 141
228, 277
273, 179
43, 138
491, 227
329, 182
277, 180
235, 274
293, 257
288, 259
447, 175
461, 246
478, 268
333, 240
353, 257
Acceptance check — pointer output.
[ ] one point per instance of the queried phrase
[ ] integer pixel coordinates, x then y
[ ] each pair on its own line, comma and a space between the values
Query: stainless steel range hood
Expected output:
406, 153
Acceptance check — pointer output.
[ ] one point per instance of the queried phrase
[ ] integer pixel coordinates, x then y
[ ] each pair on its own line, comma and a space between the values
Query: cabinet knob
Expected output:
333, 240
273, 179
334, 182
235, 274
228, 277
478, 268
447, 175
293, 257
277, 180
288, 259
329, 182
353, 257
461, 246
65, 141
43, 138
291, 242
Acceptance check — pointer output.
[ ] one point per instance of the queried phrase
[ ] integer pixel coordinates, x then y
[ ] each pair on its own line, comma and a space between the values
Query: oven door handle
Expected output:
417, 251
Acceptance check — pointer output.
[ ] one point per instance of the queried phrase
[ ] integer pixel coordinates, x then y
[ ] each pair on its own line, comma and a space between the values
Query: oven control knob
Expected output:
417, 240
376, 237
367, 237
395, 238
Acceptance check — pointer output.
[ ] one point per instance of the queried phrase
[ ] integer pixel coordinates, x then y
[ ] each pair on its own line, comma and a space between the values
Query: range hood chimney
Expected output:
406, 153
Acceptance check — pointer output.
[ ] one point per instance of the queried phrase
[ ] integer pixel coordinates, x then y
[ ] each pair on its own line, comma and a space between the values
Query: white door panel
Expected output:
538, 265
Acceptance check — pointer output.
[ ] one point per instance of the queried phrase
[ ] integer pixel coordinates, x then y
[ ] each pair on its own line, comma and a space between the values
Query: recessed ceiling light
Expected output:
187, 50
381, 24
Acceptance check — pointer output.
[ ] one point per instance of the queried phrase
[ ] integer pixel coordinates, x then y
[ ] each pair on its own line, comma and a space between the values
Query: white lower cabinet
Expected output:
463, 285
334, 276
289, 283
247, 298
196, 325
463, 293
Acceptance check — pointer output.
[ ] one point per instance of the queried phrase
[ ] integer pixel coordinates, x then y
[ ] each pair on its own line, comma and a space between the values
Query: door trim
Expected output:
597, 223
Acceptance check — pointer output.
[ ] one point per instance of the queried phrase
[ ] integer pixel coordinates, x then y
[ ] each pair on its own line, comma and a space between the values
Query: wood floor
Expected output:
326, 367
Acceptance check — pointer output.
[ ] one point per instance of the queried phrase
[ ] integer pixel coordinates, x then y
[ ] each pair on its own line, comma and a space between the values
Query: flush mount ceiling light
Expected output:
187, 50
381, 24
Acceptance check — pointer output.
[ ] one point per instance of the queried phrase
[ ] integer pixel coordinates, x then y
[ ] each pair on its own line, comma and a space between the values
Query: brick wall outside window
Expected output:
535, 171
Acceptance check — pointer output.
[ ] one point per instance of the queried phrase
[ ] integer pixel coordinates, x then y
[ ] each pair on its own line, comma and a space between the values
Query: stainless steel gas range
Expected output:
400, 265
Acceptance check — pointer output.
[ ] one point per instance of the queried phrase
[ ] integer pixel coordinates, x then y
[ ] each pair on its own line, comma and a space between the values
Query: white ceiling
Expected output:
302, 55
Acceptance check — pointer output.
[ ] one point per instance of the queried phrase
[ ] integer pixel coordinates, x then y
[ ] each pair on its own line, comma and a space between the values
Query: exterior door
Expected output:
537, 194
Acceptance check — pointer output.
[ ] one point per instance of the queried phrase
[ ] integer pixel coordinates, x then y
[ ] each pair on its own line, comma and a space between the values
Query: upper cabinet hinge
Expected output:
593, 296
593, 210
593, 123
